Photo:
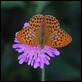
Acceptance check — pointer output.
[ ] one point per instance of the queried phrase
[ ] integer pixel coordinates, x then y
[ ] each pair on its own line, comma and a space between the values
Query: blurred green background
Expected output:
67, 66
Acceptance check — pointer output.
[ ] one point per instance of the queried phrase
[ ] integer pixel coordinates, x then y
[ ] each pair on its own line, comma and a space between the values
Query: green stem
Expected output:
43, 74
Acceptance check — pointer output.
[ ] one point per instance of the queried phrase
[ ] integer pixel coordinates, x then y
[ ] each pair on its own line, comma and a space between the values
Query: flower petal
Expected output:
26, 25
22, 60
34, 56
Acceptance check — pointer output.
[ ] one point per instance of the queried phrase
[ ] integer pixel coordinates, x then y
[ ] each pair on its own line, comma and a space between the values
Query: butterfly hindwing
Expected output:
59, 39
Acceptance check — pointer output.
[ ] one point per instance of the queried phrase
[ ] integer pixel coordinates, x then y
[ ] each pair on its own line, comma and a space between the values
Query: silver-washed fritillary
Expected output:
44, 30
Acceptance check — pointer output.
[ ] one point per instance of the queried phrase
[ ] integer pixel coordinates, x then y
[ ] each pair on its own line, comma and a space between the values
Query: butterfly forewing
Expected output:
36, 22
51, 23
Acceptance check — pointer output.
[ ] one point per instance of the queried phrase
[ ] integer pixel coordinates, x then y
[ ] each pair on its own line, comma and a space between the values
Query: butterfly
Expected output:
44, 30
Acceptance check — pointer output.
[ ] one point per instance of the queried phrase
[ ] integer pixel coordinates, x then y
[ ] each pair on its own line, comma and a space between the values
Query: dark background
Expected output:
67, 66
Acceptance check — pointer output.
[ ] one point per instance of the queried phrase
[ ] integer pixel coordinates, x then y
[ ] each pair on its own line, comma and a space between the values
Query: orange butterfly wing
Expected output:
31, 34
55, 36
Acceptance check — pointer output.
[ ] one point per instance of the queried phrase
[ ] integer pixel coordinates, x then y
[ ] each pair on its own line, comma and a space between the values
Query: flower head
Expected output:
34, 56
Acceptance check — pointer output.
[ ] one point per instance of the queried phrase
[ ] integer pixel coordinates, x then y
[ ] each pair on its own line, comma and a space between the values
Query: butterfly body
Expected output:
44, 30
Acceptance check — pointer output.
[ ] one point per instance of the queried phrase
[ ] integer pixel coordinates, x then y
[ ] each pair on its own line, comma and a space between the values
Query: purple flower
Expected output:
34, 56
